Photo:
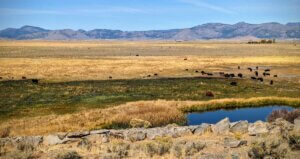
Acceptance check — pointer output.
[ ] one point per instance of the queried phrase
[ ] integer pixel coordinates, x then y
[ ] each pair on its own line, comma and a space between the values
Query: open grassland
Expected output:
159, 113
75, 92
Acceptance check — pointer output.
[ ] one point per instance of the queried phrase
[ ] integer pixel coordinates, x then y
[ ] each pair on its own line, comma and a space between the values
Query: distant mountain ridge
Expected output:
204, 31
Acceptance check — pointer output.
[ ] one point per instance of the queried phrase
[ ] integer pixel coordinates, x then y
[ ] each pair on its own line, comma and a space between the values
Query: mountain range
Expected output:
204, 31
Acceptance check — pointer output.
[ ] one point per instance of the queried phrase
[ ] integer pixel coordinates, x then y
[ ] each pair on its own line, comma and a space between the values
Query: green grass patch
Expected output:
22, 98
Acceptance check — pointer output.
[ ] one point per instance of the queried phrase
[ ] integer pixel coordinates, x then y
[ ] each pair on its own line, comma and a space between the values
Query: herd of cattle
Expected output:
256, 75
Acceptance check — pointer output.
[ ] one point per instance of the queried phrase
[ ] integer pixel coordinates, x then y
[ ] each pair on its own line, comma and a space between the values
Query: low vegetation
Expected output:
284, 114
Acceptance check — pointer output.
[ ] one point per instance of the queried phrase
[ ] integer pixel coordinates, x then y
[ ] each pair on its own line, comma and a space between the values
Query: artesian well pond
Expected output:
250, 114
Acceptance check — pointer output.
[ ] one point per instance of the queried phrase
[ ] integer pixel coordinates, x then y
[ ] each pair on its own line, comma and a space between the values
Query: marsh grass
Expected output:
240, 103
23, 99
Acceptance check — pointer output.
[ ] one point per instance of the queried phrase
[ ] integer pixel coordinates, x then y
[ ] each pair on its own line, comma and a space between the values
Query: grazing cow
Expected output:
275, 76
209, 94
267, 70
196, 71
271, 82
254, 78
35, 81
260, 79
233, 83
266, 74
227, 75
256, 73
240, 75
23, 78
250, 69
110, 77
232, 75
155, 74
239, 67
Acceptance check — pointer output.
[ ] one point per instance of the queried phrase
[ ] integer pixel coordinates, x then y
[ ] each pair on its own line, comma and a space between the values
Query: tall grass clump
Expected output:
285, 114
232, 103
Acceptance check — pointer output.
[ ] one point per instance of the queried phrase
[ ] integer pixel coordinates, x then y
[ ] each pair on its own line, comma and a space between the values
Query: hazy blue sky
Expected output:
143, 14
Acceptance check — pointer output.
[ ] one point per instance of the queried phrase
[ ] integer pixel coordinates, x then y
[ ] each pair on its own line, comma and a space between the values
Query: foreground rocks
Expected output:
224, 139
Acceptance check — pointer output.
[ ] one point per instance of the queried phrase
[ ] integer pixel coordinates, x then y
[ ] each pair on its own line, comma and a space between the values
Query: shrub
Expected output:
139, 123
285, 114
5, 132
294, 141
68, 155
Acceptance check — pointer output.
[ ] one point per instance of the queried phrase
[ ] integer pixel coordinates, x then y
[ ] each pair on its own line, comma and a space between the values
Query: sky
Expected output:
143, 14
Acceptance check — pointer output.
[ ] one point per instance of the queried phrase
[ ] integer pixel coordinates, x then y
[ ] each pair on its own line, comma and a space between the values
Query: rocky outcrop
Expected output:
241, 139
258, 128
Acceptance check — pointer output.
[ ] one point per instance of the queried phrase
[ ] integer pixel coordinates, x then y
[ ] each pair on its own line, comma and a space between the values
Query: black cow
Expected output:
271, 82
209, 94
110, 77
275, 76
239, 67
232, 75
257, 67
196, 71
267, 70
137, 55
149, 76
227, 75
260, 79
155, 74
187, 69
240, 75
23, 77
203, 72
233, 83
254, 78
209, 74
35, 81
266, 74
250, 69
256, 73
0, 77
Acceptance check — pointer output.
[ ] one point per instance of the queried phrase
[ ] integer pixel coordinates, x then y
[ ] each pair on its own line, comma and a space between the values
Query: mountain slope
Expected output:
205, 31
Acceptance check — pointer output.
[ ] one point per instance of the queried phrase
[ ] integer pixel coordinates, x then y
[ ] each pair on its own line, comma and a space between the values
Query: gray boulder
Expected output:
222, 126
52, 140
98, 138
203, 128
239, 127
156, 132
297, 124
32, 140
257, 128
233, 143
135, 135
78, 134
104, 131
180, 131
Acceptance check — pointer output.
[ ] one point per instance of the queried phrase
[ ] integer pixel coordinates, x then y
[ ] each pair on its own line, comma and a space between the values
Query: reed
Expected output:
233, 103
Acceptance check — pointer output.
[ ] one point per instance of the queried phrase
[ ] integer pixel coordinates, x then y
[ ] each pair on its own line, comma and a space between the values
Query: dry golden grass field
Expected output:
75, 91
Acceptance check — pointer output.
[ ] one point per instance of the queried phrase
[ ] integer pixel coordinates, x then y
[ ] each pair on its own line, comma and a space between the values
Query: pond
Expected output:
250, 114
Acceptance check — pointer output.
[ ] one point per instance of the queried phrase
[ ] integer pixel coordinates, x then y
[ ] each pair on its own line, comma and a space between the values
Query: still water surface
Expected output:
251, 114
